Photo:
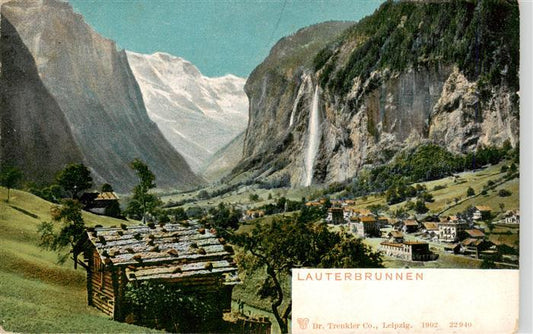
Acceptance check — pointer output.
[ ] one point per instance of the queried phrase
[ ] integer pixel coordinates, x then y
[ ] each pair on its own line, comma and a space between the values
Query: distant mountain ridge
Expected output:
198, 115
55, 66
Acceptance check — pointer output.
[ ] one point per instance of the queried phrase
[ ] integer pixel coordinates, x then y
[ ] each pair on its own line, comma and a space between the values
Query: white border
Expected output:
526, 157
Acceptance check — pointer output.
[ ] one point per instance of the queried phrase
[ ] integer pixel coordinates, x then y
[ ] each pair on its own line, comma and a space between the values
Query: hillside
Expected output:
37, 294
224, 160
411, 73
68, 95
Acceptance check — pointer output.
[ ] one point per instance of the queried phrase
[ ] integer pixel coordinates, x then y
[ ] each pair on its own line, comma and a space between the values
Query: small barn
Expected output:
186, 257
104, 203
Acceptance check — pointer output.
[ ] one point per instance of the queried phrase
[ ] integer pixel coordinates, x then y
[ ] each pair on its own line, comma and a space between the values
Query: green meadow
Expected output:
36, 293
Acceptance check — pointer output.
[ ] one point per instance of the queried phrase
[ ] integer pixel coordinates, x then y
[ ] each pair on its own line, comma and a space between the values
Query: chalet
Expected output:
104, 203
478, 247
314, 204
430, 227
357, 212
452, 248
189, 258
482, 212
348, 202
395, 236
512, 217
430, 231
410, 226
474, 234
408, 250
382, 220
336, 215
451, 231
251, 214
366, 226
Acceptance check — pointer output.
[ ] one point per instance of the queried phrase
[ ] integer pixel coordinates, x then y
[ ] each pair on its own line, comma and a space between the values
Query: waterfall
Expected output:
314, 139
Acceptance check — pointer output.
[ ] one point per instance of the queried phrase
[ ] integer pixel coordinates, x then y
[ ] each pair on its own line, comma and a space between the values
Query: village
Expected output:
422, 239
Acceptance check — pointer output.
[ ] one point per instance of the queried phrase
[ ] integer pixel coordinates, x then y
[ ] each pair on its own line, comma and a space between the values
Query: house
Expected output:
410, 226
251, 214
395, 236
452, 248
430, 227
477, 247
366, 226
336, 215
430, 231
512, 217
408, 250
382, 220
474, 234
481, 212
357, 212
189, 257
104, 203
451, 230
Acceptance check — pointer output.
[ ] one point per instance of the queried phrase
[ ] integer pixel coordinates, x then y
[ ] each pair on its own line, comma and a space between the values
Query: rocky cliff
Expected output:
69, 95
413, 72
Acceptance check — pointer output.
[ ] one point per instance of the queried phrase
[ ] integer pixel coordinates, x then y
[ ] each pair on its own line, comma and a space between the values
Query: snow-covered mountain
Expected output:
198, 115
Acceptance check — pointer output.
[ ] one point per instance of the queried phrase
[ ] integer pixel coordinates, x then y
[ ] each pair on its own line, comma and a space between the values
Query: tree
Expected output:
289, 242
378, 208
9, 177
420, 206
74, 179
223, 217
470, 192
106, 188
142, 202
68, 214
504, 193
487, 263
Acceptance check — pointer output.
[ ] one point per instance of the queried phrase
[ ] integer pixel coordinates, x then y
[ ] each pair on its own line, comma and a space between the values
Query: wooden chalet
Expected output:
190, 258
100, 203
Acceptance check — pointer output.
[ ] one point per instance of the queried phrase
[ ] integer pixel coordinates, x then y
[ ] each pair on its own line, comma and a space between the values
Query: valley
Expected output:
139, 194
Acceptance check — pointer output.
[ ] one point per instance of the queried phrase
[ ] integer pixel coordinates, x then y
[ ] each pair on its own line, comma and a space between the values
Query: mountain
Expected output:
224, 160
68, 95
198, 115
413, 72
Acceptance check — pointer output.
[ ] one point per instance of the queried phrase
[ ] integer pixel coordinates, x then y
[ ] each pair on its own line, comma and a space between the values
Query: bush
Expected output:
470, 192
504, 193
164, 306
203, 194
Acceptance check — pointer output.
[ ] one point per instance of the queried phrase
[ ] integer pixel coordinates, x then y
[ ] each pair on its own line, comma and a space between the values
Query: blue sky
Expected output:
218, 36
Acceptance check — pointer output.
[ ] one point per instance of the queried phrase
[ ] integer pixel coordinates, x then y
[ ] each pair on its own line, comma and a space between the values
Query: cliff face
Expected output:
30, 136
96, 102
411, 73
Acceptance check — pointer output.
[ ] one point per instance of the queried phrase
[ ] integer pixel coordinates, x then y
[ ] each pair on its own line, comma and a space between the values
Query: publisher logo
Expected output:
303, 322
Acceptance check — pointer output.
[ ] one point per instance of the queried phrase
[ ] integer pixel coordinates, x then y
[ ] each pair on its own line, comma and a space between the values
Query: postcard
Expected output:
317, 166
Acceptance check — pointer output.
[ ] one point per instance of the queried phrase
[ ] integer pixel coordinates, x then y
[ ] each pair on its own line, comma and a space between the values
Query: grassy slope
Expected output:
37, 294
444, 198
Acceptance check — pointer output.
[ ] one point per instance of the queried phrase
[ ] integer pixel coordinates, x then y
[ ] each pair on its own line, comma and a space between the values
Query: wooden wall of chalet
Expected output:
104, 286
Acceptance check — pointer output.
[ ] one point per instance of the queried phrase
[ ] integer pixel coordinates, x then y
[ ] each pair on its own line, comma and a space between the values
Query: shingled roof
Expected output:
169, 251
